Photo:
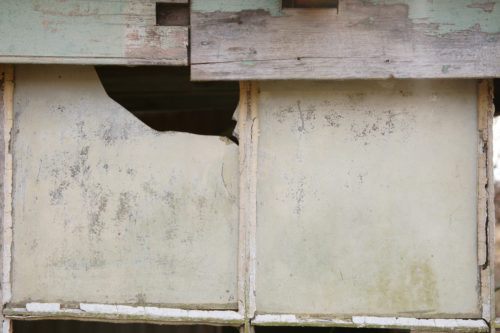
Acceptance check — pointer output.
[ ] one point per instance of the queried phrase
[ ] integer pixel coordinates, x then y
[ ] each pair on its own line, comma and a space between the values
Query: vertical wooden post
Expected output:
486, 193
248, 127
6, 96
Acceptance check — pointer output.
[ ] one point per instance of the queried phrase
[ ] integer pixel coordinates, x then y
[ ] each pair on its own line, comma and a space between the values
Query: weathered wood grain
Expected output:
6, 105
364, 39
248, 128
89, 32
486, 206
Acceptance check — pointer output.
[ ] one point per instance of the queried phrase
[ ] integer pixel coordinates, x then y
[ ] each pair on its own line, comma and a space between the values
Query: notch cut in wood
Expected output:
172, 14
309, 3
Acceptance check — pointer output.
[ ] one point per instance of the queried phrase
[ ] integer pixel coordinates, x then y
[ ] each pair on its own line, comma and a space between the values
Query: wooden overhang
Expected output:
261, 39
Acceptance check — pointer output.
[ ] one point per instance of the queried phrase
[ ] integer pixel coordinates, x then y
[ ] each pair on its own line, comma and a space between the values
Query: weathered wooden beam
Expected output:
89, 32
249, 40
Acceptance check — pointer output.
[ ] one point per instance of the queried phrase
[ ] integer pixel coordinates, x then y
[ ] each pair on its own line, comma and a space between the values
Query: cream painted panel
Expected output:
367, 198
107, 210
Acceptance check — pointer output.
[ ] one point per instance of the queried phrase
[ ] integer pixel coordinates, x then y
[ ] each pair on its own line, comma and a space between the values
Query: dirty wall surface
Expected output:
107, 210
367, 198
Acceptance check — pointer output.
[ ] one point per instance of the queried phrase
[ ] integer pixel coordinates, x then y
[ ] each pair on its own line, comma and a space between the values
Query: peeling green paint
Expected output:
445, 68
207, 6
249, 62
450, 16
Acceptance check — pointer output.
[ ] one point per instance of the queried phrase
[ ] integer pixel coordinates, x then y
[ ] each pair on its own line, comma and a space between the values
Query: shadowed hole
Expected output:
164, 98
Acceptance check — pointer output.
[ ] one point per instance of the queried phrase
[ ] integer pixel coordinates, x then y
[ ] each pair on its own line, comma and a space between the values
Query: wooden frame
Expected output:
246, 316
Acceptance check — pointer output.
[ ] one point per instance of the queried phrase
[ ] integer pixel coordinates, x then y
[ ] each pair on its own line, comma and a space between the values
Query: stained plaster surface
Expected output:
367, 198
107, 210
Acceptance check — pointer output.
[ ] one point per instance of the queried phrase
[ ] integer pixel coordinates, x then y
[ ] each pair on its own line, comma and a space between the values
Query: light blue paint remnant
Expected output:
249, 62
445, 68
208, 6
452, 15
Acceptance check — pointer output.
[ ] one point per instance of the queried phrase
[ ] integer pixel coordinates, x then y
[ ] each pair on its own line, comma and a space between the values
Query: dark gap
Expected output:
172, 14
496, 100
310, 3
69, 326
164, 98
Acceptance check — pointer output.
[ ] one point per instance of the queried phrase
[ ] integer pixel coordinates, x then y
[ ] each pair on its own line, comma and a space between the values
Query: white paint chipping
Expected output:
197, 315
361, 321
292, 319
6, 325
43, 307
7, 194
160, 314
437, 323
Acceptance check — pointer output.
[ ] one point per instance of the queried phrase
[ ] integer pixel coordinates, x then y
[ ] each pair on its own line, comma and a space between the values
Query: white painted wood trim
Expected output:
476, 325
248, 128
126, 313
7, 75
485, 200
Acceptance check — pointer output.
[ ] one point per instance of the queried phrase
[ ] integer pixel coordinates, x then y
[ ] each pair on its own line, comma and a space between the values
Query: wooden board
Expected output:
88, 32
247, 40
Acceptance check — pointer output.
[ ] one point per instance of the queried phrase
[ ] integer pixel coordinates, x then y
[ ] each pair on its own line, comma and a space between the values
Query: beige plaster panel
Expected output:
108, 210
367, 198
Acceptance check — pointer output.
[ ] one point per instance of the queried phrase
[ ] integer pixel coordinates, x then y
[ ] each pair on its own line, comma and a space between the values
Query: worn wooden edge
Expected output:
471, 325
93, 61
332, 68
124, 313
485, 197
491, 205
248, 128
6, 109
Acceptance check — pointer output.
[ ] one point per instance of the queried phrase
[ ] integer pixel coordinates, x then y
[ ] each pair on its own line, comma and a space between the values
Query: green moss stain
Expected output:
406, 287
207, 6
448, 16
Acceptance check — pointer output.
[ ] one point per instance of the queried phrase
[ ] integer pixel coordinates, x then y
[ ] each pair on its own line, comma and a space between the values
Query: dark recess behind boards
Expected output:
165, 99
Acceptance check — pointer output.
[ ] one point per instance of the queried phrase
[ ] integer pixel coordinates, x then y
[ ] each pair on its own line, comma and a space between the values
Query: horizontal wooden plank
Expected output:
363, 39
123, 314
89, 32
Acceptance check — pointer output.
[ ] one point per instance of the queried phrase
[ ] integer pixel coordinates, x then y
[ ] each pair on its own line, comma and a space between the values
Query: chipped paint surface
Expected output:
361, 321
79, 29
107, 210
106, 311
364, 40
359, 185
6, 112
448, 16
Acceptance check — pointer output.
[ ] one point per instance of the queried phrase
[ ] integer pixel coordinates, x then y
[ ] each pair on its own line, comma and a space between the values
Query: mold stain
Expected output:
56, 195
96, 225
403, 288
